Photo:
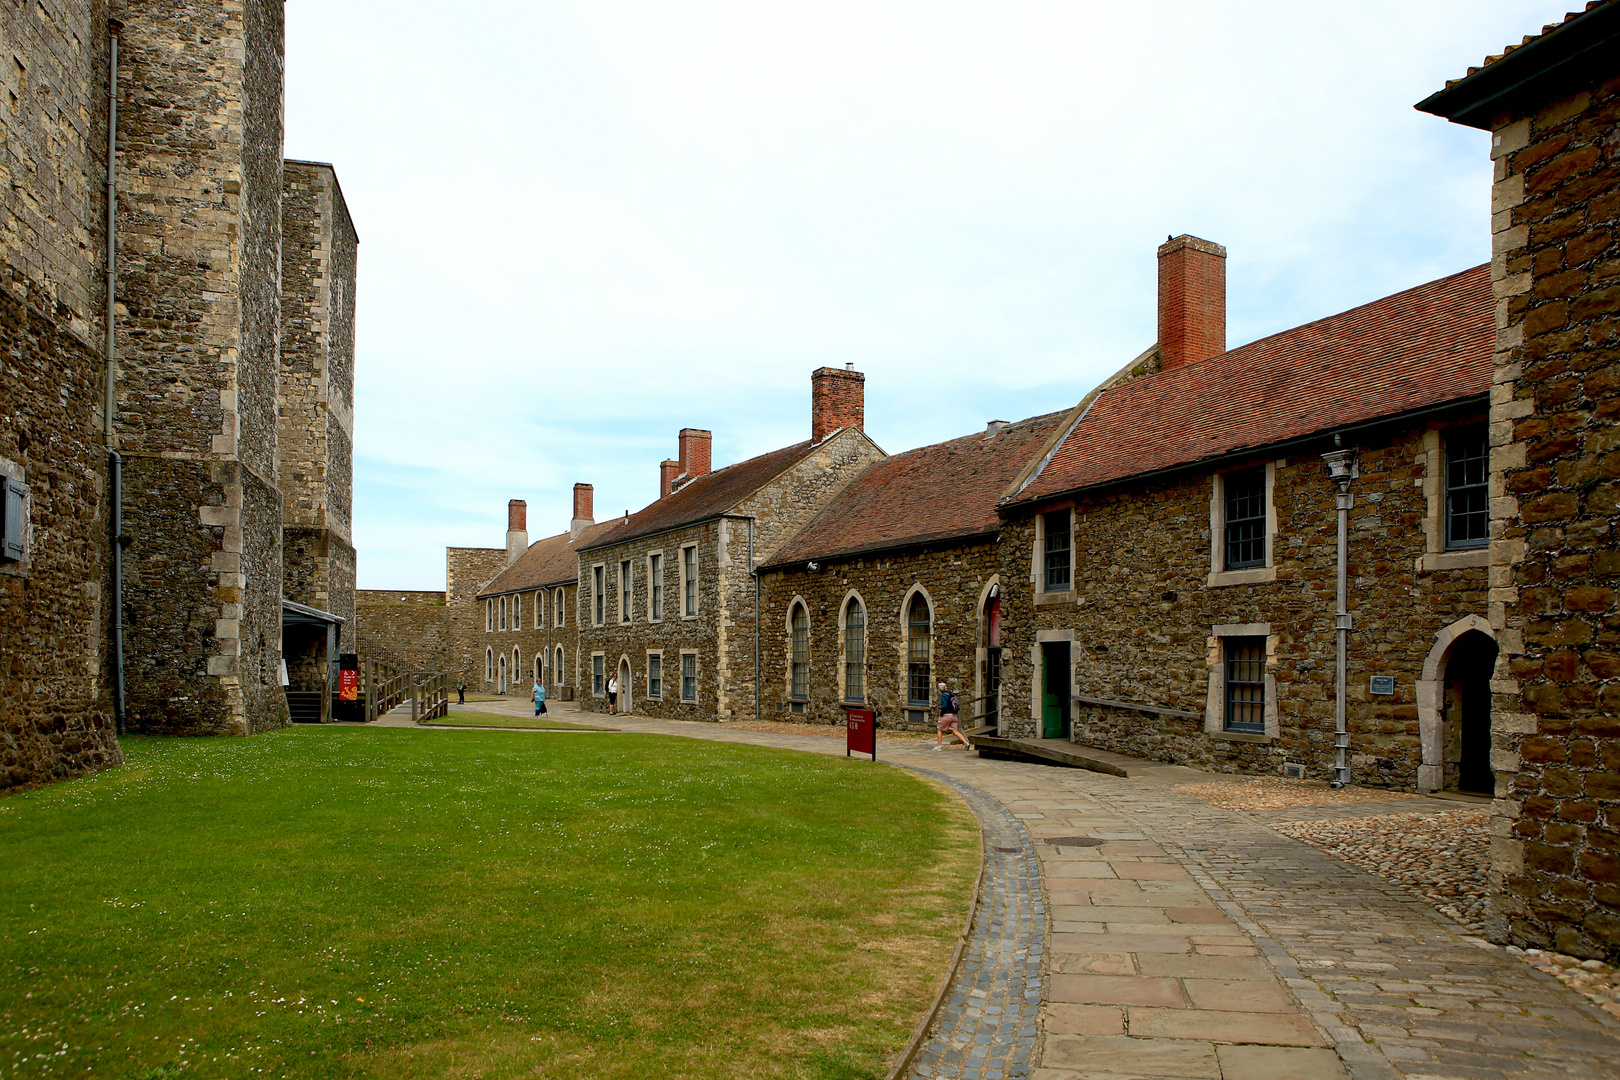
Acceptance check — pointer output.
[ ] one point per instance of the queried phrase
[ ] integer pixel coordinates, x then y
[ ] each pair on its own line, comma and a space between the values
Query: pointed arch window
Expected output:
801, 653
489, 665
919, 635
854, 651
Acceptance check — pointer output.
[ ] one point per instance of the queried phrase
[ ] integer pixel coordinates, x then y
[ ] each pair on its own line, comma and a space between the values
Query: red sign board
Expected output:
348, 684
861, 735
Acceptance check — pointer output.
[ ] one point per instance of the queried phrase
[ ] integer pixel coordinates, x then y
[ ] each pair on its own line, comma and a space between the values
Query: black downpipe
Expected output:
118, 587
114, 461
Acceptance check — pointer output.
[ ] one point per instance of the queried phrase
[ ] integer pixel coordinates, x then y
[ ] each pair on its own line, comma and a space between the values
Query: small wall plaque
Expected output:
1383, 684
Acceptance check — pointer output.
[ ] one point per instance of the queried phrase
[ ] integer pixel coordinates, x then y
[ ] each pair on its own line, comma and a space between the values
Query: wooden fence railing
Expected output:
430, 696
386, 688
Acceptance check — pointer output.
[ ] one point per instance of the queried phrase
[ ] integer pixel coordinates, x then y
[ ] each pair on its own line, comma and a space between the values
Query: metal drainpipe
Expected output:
115, 462
1342, 467
755, 571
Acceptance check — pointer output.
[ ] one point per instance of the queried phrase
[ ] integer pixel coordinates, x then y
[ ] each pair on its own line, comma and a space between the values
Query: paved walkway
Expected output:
1188, 941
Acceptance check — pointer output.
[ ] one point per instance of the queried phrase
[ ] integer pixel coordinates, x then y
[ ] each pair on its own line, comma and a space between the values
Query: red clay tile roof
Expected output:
552, 561
938, 492
1569, 17
709, 495
1422, 347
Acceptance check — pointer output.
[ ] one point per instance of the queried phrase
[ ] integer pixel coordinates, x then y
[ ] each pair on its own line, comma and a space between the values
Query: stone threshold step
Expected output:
1074, 755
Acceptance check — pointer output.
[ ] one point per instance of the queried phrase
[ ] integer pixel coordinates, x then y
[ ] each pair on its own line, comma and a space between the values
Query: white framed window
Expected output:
489, 615
558, 668
598, 594
655, 675
539, 609
1057, 551
489, 665
559, 602
517, 611
1242, 699
502, 607
689, 676
655, 587
1243, 525
689, 582
1456, 489
598, 666
624, 591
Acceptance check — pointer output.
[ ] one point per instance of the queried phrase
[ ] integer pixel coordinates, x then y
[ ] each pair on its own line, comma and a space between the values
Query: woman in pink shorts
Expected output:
949, 719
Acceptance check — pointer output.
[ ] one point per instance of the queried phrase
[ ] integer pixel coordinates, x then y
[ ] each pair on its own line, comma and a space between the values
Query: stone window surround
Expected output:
627, 582
500, 670
1431, 691
560, 602
517, 662
540, 668
697, 673
500, 604
489, 615
697, 594
981, 638
517, 611
10, 470
662, 598
598, 610
559, 666
917, 589
1435, 555
843, 648
798, 600
1035, 689
1037, 558
1219, 576
489, 663
1215, 702
659, 653
599, 693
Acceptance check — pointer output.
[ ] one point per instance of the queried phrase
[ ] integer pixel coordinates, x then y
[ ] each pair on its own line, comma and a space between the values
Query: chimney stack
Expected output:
695, 449
837, 400
668, 470
583, 519
1192, 301
517, 530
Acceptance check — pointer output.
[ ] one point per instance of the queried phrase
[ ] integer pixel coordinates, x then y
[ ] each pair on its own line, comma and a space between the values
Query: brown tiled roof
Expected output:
709, 495
1569, 17
552, 561
940, 492
1419, 348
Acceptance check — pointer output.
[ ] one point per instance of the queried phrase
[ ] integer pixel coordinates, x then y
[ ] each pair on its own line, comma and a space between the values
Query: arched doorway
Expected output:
500, 684
1466, 714
990, 665
625, 694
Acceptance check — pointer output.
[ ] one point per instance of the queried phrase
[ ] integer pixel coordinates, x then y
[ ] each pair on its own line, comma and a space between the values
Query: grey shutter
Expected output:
16, 503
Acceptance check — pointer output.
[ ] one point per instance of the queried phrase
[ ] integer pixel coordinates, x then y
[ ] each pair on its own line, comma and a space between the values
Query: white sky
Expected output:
586, 225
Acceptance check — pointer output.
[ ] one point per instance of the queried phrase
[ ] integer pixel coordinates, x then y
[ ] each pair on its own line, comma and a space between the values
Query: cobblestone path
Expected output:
989, 1023
1402, 992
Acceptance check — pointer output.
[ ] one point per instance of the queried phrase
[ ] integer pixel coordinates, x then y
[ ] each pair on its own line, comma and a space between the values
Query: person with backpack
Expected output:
539, 698
950, 718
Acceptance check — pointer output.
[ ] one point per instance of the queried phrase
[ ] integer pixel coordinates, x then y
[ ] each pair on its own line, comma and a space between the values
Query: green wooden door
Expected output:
1051, 704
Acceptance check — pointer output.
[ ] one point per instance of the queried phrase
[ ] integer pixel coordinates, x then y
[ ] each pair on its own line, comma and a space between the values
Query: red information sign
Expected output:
348, 684
861, 735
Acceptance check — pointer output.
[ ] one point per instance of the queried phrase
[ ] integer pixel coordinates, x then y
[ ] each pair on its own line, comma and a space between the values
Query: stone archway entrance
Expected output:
1454, 709
624, 685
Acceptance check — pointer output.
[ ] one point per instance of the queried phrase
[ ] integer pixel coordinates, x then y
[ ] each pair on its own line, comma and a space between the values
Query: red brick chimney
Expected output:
667, 472
583, 512
1192, 301
517, 530
837, 400
695, 448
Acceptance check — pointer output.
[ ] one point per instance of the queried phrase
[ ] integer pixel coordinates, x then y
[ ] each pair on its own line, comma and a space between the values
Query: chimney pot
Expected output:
837, 400
1192, 301
696, 445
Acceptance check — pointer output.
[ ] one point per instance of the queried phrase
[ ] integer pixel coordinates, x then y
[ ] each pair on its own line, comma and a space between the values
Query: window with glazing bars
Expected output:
655, 586
688, 676
801, 653
689, 573
1468, 459
855, 652
517, 611
655, 675
1058, 551
918, 688
1246, 684
624, 591
598, 591
502, 603
1245, 518
559, 603
596, 674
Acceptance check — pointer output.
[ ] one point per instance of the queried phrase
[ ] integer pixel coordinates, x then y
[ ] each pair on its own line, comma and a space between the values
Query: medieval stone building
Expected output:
152, 401
668, 599
1552, 105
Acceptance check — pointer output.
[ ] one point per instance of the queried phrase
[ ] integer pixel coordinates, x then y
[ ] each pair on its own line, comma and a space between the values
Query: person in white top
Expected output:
613, 693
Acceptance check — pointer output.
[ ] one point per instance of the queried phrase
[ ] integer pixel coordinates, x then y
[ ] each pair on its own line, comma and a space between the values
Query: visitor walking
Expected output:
950, 719
539, 698
461, 690
613, 694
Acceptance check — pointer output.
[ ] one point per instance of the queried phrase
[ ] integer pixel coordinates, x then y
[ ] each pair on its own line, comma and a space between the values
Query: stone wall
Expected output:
1555, 423
200, 236
466, 572
1143, 615
953, 579
540, 637
403, 629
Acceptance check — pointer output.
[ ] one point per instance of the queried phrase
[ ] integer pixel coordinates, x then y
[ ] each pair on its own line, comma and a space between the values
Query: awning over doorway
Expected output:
294, 614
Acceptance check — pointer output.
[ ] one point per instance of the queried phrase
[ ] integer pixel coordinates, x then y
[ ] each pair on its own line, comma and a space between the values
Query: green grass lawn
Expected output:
394, 902
473, 718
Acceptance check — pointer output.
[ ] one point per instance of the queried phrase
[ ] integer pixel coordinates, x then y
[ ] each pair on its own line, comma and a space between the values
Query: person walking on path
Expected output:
949, 718
461, 690
539, 698
613, 694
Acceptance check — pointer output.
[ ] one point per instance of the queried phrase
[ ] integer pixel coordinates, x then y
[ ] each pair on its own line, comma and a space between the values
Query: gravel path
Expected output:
1259, 793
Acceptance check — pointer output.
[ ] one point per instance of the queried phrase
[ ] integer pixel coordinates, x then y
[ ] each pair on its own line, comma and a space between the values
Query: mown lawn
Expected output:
473, 718
402, 903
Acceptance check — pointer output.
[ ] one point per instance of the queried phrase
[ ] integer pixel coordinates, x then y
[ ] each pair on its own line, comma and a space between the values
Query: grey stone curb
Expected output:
985, 1023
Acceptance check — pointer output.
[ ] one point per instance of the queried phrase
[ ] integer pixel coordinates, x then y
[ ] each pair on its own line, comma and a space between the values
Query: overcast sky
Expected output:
587, 225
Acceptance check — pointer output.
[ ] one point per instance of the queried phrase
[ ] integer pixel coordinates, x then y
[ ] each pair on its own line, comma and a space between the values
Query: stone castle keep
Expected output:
181, 435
